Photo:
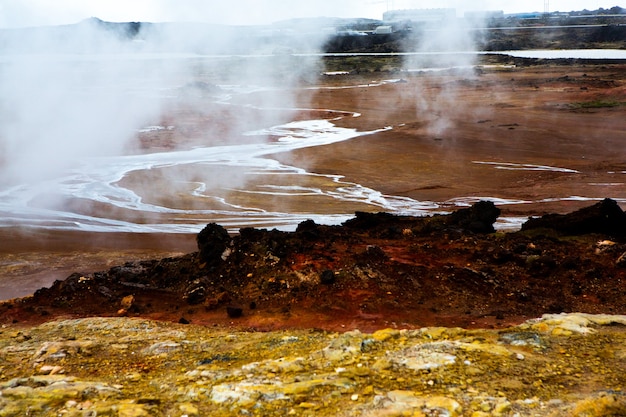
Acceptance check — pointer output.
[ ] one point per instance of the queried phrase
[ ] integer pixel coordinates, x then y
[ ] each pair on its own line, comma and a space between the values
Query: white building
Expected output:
383, 30
420, 16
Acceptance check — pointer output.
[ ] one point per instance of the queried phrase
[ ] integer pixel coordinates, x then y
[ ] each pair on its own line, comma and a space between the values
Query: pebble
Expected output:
188, 409
127, 302
161, 348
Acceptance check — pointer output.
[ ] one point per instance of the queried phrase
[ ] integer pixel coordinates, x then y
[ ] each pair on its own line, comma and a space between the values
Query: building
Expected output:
484, 15
383, 30
420, 16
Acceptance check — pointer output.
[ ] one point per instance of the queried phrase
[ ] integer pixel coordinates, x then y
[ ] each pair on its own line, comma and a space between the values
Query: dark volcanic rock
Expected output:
308, 229
327, 277
196, 293
263, 242
605, 217
234, 312
365, 221
377, 268
478, 219
213, 241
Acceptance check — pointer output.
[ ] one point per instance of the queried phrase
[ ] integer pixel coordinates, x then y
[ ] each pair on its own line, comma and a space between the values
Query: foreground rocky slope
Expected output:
381, 280
375, 271
560, 365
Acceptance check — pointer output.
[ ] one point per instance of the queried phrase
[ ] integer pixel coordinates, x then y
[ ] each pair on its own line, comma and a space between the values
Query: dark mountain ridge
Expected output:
327, 34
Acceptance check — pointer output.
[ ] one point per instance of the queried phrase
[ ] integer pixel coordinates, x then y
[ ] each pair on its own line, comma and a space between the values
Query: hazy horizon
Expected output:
28, 13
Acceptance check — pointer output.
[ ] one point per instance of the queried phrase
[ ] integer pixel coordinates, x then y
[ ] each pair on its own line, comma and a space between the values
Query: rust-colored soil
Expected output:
452, 133
376, 270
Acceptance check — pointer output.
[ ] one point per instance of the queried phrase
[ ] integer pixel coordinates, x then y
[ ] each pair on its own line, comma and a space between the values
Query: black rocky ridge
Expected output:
420, 270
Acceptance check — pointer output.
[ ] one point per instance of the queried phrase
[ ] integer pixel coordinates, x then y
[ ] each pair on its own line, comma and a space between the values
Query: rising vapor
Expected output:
66, 97
73, 95
445, 43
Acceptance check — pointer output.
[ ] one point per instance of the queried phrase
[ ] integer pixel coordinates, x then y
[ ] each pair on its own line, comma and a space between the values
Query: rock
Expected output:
401, 401
327, 277
43, 392
567, 324
196, 292
127, 302
426, 356
385, 334
203, 370
377, 278
606, 404
479, 218
374, 252
605, 217
234, 312
277, 366
365, 221
132, 410
382, 364
540, 263
213, 242
342, 348
160, 348
59, 350
51, 370
309, 229
245, 393
188, 409
305, 387
502, 408
531, 339
605, 246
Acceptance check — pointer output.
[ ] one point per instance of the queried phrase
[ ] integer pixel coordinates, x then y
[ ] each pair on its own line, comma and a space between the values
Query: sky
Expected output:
24, 13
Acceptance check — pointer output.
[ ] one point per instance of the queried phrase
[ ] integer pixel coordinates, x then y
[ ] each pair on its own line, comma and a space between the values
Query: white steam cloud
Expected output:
74, 92
60, 103
73, 95
444, 44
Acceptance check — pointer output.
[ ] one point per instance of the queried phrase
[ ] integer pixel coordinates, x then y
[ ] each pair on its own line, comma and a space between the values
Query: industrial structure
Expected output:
420, 16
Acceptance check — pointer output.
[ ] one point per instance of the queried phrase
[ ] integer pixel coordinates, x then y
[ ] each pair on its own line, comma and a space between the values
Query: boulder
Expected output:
213, 241
605, 217
479, 218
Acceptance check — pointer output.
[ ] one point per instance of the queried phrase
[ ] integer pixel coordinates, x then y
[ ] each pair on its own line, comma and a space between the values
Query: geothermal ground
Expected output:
331, 320
535, 139
532, 136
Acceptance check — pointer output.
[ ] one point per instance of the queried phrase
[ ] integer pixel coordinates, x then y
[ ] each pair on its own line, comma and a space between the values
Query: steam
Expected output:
445, 46
61, 103
86, 95
81, 96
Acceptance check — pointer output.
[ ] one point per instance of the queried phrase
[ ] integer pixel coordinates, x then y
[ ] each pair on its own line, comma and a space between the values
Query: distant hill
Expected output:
94, 35
326, 34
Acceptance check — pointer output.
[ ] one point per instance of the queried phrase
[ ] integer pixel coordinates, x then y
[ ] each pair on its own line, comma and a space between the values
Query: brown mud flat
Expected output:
452, 135
541, 135
375, 271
